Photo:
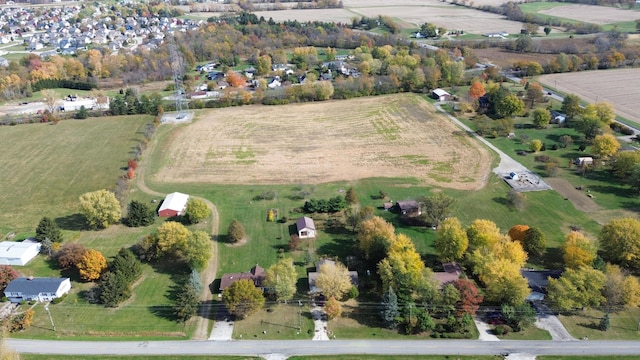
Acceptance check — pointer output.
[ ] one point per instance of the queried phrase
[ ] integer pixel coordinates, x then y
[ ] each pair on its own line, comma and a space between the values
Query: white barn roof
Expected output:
18, 253
440, 92
174, 201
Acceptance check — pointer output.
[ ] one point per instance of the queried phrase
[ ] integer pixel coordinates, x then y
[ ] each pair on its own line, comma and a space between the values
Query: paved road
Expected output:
308, 347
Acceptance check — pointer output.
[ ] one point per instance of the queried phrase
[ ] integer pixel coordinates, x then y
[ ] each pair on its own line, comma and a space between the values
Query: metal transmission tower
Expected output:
177, 66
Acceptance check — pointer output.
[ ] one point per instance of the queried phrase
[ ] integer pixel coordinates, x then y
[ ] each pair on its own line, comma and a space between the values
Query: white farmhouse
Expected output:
38, 289
18, 253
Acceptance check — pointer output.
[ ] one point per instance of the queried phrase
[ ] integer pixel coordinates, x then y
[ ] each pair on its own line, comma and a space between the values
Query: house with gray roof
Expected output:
306, 228
38, 289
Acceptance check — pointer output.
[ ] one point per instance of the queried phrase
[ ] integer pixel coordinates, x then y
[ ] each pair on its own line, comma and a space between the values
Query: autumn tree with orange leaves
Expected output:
476, 90
92, 265
516, 233
234, 79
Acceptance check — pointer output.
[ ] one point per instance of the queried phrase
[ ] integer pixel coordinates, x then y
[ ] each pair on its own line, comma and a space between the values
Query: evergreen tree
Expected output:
351, 197
113, 289
126, 265
390, 310
605, 323
195, 281
48, 229
139, 214
187, 303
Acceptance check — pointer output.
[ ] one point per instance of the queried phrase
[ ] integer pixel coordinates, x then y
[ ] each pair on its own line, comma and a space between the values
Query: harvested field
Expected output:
449, 16
385, 136
505, 59
333, 15
620, 87
578, 198
409, 12
600, 15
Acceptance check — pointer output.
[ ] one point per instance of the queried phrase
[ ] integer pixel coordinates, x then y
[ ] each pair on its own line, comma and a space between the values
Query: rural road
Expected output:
308, 347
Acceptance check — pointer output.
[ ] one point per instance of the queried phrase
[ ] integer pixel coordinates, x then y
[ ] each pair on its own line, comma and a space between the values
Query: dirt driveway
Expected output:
578, 198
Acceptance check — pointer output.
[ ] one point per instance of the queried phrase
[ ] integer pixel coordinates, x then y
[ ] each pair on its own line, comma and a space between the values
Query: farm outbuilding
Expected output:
441, 95
306, 228
38, 289
583, 161
173, 205
18, 253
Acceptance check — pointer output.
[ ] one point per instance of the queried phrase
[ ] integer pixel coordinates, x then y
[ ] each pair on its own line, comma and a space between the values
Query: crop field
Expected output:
385, 136
409, 14
600, 15
603, 85
45, 168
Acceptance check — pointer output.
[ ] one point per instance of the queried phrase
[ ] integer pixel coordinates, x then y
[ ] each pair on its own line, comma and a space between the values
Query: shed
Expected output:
173, 205
39, 289
583, 161
18, 253
514, 176
306, 228
441, 95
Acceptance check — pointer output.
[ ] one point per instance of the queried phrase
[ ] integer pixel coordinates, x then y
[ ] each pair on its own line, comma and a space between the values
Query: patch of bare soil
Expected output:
578, 198
384, 136
505, 59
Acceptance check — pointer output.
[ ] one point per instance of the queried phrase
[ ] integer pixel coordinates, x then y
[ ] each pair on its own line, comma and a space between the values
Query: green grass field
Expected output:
133, 357
624, 325
391, 357
47, 167
276, 322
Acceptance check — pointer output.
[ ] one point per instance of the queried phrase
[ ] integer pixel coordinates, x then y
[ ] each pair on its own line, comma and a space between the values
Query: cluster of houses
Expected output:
55, 28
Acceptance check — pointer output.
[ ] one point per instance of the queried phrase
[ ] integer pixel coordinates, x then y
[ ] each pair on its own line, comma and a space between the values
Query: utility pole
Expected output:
299, 315
46, 308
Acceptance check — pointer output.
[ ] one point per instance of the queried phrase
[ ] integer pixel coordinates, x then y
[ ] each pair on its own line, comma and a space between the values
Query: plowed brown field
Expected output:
383, 136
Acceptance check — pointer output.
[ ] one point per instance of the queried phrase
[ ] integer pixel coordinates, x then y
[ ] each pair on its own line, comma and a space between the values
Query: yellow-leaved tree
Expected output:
605, 146
578, 250
504, 284
92, 265
333, 280
172, 238
101, 208
403, 266
483, 232
452, 241
375, 235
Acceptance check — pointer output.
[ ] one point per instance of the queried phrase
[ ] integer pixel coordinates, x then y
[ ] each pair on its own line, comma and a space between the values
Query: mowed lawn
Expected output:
45, 168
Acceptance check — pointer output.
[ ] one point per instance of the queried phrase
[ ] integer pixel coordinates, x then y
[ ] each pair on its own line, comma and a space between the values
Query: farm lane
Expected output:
507, 163
309, 347
209, 274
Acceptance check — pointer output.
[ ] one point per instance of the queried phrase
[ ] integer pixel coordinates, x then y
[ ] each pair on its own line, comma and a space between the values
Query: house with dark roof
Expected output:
451, 273
306, 228
38, 289
313, 275
408, 207
256, 274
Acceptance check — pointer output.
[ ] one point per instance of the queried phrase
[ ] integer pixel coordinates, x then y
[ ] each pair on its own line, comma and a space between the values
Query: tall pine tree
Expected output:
47, 229
390, 311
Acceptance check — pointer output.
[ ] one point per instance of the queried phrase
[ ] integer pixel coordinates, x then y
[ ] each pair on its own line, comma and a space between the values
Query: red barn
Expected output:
173, 205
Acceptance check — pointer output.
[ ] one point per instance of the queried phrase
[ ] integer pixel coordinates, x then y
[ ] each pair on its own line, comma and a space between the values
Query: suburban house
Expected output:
18, 253
538, 281
313, 276
173, 205
39, 289
408, 207
441, 95
558, 117
451, 273
583, 161
306, 228
256, 274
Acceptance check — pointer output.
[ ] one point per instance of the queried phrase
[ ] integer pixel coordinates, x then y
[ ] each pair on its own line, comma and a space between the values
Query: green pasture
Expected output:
146, 315
535, 7
47, 167
625, 325
588, 357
